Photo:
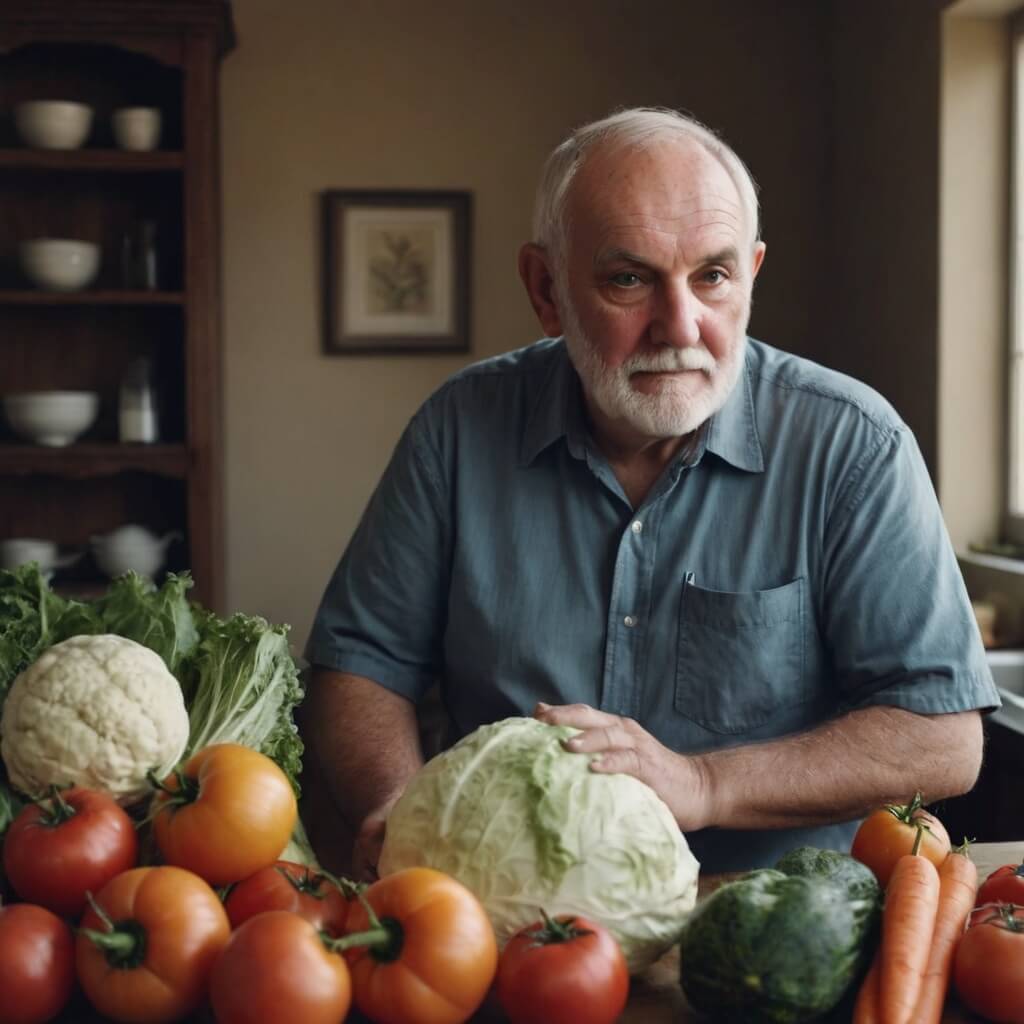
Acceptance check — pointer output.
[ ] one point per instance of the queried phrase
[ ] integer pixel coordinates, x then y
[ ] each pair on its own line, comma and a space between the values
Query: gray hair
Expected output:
635, 127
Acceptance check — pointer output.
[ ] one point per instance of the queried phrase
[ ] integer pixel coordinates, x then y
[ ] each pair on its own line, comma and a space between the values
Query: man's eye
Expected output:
627, 279
714, 277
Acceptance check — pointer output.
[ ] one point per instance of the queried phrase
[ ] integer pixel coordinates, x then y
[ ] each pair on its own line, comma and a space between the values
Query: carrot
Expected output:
908, 922
958, 887
865, 1010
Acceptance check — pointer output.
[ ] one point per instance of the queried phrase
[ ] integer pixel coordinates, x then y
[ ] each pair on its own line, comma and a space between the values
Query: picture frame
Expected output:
396, 267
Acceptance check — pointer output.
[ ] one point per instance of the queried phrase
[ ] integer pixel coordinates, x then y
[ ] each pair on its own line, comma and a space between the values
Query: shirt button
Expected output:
629, 620
636, 526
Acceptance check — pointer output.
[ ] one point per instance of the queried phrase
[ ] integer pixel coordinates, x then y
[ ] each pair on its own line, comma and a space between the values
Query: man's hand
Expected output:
623, 746
368, 843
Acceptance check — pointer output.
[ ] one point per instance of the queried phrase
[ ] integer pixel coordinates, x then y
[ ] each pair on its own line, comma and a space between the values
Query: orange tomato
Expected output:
226, 814
890, 832
430, 956
145, 949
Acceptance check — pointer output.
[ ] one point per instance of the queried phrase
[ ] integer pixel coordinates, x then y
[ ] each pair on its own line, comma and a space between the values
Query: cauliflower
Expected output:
98, 711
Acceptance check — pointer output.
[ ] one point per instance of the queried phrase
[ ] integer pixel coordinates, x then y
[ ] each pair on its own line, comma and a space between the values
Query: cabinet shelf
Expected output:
79, 461
110, 54
105, 297
113, 160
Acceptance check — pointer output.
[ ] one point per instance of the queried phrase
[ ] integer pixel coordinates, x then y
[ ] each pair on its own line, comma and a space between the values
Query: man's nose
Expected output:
677, 317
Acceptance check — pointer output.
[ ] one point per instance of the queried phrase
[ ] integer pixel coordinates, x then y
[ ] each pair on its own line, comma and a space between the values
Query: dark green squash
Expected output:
811, 862
772, 948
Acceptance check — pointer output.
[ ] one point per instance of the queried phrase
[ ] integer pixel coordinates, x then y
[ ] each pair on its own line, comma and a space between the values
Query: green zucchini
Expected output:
810, 862
772, 948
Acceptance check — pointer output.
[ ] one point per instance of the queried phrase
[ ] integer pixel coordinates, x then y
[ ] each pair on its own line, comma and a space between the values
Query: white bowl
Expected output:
53, 124
54, 418
59, 264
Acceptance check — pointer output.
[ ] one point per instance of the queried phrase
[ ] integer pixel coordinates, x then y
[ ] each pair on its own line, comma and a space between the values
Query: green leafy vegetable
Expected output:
523, 823
33, 617
241, 687
237, 676
160, 619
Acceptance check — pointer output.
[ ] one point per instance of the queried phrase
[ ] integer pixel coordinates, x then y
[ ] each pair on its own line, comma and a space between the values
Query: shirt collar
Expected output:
558, 412
732, 433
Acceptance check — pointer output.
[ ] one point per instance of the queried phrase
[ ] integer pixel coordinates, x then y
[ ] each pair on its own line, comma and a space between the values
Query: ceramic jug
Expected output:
131, 548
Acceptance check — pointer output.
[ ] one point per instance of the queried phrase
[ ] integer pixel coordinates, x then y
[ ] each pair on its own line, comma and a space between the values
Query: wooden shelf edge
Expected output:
112, 160
79, 461
104, 297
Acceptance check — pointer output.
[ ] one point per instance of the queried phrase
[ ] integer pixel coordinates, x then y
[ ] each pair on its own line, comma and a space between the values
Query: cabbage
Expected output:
524, 824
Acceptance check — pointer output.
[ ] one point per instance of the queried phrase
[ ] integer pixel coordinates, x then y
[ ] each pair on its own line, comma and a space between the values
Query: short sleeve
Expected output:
382, 614
898, 620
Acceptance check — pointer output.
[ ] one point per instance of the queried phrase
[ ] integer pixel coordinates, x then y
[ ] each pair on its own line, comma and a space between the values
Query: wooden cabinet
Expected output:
111, 54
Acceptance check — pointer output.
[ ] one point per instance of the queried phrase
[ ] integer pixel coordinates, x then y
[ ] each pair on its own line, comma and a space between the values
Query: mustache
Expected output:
672, 360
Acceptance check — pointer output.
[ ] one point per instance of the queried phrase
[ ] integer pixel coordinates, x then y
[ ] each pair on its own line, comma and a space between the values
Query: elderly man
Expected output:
724, 564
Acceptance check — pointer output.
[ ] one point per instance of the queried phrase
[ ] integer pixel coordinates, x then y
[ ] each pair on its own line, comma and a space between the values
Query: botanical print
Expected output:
401, 270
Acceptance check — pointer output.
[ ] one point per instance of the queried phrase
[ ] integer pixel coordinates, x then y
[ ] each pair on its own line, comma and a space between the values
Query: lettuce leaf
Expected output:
242, 686
33, 617
160, 619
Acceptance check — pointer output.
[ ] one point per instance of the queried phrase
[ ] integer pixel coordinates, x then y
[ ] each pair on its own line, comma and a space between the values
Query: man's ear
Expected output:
759, 251
535, 270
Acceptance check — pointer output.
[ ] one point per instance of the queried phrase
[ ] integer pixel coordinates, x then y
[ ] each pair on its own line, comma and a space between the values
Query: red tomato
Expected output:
277, 970
145, 950
37, 964
294, 887
429, 955
74, 842
989, 966
1004, 885
890, 832
228, 813
563, 971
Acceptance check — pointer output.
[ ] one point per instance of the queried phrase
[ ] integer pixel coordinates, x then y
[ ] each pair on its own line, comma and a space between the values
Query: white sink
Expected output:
1008, 672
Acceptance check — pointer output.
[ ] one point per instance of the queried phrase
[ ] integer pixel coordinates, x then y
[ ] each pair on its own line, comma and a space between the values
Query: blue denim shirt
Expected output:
791, 566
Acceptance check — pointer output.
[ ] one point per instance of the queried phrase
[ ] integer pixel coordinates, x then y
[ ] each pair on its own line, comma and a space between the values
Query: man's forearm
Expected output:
365, 738
841, 770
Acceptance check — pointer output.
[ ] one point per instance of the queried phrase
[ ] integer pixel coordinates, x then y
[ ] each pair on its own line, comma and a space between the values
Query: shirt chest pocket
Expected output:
740, 656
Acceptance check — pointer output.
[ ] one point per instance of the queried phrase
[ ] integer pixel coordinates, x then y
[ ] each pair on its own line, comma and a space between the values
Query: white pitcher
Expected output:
131, 548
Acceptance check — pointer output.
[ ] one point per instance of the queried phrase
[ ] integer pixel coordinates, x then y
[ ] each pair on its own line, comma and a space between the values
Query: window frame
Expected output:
1013, 418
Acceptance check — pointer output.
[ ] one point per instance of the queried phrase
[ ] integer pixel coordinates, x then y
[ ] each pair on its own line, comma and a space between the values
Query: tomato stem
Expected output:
917, 839
384, 940
553, 930
56, 810
349, 889
1003, 915
123, 944
906, 812
186, 791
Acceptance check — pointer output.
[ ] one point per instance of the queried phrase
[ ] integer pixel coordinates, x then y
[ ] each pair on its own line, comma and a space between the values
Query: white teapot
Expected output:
20, 550
131, 548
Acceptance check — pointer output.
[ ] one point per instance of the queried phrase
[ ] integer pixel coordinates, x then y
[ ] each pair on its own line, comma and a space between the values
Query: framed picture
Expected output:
396, 271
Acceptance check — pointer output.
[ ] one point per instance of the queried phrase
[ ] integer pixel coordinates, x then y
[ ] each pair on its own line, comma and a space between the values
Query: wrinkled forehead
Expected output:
671, 183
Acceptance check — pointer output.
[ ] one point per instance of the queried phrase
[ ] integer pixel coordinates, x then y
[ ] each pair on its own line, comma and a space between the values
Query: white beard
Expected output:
678, 407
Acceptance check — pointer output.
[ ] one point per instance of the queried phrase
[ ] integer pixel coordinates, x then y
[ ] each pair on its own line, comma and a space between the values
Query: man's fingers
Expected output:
625, 762
595, 741
581, 716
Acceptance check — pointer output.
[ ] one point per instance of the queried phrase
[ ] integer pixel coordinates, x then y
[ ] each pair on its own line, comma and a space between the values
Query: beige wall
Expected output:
455, 94
974, 244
